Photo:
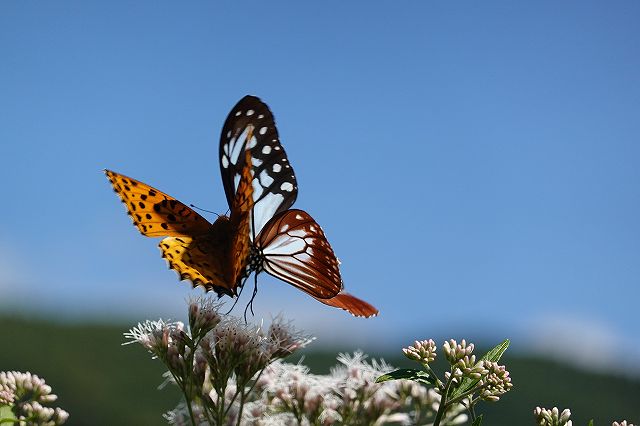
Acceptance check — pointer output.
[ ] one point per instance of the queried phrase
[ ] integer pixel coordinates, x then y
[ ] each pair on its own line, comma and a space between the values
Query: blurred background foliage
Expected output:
101, 382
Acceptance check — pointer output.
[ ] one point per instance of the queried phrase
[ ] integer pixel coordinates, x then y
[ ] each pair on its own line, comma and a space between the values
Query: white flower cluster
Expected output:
217, 361
26, 394
287, 394
553, 417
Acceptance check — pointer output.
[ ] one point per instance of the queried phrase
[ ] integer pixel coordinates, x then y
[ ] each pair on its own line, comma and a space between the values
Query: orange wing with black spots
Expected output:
155, 213
196, 249
203, 259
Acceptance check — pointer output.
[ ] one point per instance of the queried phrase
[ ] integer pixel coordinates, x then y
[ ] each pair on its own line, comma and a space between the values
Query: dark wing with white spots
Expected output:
250, 126
295, 250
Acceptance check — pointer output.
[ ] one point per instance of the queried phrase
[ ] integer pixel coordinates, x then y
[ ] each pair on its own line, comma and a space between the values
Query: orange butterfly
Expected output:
261, 233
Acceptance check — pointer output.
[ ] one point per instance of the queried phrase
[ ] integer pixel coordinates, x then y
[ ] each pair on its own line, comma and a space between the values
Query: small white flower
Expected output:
28, 393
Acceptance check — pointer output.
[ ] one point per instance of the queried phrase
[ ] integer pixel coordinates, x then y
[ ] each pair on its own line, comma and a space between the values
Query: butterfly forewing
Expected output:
352, 304
155, 213
240, 220
295, 249
250, 126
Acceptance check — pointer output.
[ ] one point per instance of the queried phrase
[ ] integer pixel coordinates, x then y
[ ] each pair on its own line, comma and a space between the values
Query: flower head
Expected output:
204, 315
156, 336
284, 339
455, 352
30, 393
553, 417
422, 351
495, 382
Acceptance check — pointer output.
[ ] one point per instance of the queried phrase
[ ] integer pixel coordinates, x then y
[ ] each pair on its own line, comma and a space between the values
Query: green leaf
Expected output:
590, 423
6, 415
493, 355
477, 421
407, 373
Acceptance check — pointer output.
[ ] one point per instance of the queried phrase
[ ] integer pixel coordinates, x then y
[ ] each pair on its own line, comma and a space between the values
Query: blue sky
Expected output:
474, 164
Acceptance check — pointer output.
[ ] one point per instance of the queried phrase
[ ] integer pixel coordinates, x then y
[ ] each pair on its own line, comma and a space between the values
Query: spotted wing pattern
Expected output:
251, 126
155, 213
357, 307
295, 249
202, 259
193, 247
218, 259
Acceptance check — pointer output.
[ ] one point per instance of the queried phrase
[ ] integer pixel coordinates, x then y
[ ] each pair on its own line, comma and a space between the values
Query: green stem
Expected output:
181, 385
242, 398
442, 407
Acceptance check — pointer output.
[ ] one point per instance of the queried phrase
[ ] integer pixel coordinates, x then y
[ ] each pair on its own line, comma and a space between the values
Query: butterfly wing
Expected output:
202, 259
240, 220
193, 247
295, 249
155, 213
250, 126
357, 307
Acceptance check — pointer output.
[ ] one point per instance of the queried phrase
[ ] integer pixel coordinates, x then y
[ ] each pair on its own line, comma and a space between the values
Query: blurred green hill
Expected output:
100, 382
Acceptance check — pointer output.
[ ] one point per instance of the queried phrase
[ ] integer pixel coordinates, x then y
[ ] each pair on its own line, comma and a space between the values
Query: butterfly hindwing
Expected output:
295, 249
357, 307
250, 126
155, 213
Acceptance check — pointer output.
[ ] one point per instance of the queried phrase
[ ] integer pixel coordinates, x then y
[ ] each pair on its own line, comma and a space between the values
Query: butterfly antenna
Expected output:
203, 210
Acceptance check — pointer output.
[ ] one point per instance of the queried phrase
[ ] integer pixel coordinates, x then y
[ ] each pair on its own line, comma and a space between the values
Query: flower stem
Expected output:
442, 407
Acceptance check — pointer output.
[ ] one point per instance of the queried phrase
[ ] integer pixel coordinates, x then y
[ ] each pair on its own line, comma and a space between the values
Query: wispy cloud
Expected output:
585, 341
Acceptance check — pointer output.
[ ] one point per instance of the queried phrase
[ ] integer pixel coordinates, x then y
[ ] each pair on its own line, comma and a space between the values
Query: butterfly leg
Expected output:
253, 296
236, 301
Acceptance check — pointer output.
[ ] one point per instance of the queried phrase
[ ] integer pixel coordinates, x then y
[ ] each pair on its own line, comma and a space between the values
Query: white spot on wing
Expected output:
236, 146
265, 208
277, 168
261, 116
238, 113
225, 161
283, 245
257, 189
286, 186
256, 162
298, 216
250, 112
263, 130
265, 179
298, 233
266, 149
253, 142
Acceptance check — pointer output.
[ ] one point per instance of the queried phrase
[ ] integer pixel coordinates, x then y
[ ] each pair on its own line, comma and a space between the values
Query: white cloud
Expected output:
585, 341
